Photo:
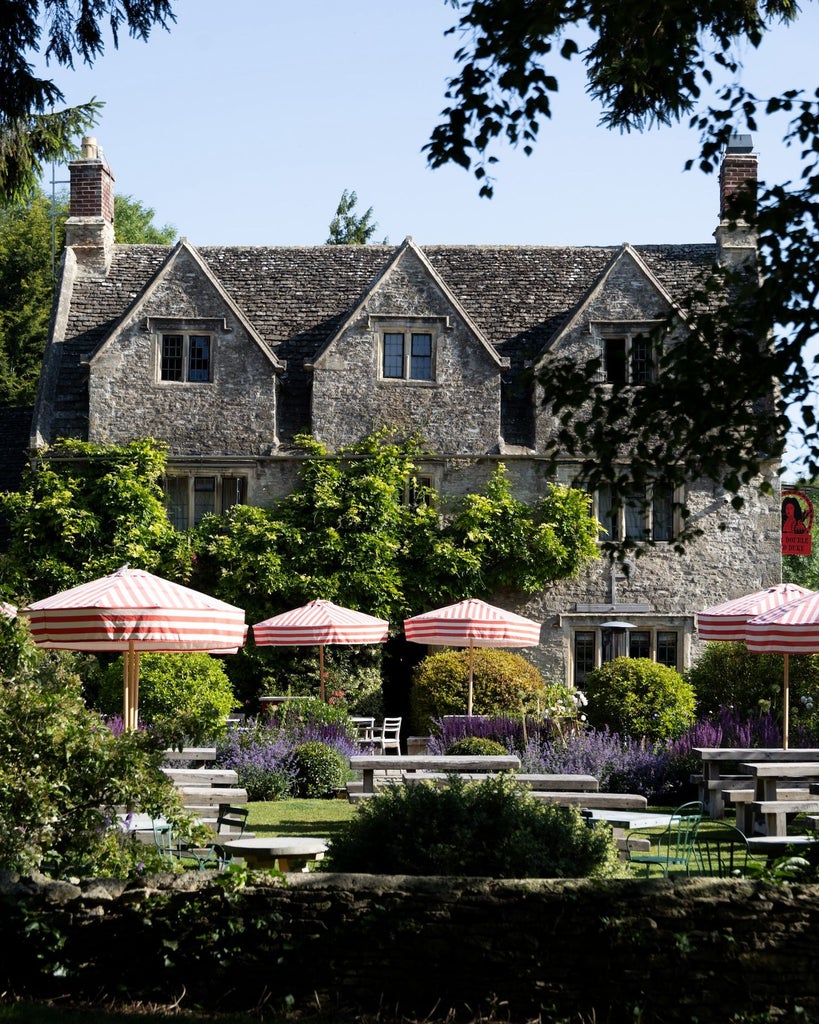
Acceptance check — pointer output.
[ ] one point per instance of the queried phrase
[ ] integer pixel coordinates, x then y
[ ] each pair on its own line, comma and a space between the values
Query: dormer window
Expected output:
186, 357
628, 350
407, 355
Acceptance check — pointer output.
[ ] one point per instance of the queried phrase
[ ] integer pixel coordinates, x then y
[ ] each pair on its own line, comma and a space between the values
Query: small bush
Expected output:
503, 683
183, 697
318, 769
729, 675
640, 698
476, 745
493, 829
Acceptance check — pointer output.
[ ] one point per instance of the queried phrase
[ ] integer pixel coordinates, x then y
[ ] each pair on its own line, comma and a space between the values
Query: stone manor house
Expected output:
227, 352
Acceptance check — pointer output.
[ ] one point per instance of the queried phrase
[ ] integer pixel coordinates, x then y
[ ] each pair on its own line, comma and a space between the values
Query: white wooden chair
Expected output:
365, 730
388, 736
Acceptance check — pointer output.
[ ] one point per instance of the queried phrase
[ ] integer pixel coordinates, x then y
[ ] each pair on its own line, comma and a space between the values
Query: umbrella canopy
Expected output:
730, 621
472, 623
319, 623
727, 621
132, 611
790, 629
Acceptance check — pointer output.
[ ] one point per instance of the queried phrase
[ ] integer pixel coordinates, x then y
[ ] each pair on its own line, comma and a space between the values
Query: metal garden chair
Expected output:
672, 847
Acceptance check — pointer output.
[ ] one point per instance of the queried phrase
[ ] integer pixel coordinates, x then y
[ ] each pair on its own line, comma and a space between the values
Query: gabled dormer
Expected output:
409, 355
185, 360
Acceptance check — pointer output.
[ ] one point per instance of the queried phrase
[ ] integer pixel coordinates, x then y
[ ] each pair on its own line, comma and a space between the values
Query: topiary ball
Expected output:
319, 769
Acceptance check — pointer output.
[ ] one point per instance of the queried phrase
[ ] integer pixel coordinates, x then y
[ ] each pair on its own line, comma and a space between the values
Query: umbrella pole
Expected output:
321, 670
469, 689
135, 690
126, 690
785, 702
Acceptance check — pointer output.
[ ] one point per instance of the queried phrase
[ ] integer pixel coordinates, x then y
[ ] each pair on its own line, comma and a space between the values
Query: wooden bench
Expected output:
190, 754
579, 783
202, 776
615, 801
368, 764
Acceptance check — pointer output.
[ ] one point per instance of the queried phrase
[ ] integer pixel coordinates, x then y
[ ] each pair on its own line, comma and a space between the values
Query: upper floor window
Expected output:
186, 357
628, 349
639, 516
407, 355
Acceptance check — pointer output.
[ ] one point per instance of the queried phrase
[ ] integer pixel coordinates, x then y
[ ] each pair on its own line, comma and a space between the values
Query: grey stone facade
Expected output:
444, 341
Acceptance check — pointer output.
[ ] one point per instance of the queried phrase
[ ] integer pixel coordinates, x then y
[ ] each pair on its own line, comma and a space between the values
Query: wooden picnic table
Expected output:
770, 801
712, 783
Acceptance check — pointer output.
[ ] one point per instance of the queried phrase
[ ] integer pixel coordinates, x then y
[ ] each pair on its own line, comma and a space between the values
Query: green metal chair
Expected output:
171, 848
723, 852
673, 846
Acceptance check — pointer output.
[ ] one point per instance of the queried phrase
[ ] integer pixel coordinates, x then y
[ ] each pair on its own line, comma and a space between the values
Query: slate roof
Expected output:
296, 297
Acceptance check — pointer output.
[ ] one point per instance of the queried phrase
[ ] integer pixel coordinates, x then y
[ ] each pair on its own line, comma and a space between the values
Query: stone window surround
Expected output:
235, 470
677, 500
385, 324
585, 622
186, 326
601, 330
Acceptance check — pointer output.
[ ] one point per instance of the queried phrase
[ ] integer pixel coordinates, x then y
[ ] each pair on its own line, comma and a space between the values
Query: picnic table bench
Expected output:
712, 782
202, 776
369, 764
580, 783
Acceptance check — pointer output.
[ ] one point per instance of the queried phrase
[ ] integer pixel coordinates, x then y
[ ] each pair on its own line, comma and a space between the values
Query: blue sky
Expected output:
245, 122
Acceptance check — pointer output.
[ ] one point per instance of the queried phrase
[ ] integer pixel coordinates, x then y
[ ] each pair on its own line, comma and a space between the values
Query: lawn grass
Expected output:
319, 818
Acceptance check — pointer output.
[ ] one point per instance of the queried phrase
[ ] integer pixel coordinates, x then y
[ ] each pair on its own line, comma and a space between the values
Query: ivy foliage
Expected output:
83, 511
348, 535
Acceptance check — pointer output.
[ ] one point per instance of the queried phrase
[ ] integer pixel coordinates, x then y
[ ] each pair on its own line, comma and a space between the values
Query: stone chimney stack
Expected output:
89, 230
736, 234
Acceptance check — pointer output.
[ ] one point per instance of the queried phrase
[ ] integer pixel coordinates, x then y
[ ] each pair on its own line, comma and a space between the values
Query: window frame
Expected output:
188, 510
631, 333
189, 373
411, 330
639, 518
657, 635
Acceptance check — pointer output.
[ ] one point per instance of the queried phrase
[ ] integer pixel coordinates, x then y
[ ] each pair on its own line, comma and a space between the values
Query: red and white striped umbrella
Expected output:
319, 623
727, 621
472, 623
8, 610
791, 629
131, 611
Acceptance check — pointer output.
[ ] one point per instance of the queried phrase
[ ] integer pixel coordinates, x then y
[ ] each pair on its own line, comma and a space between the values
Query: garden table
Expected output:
293, 853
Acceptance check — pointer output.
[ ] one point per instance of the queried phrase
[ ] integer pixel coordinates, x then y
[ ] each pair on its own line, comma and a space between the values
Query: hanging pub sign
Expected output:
797, 521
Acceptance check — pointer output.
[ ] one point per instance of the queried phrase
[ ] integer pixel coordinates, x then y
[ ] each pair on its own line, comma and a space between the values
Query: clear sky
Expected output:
245, 122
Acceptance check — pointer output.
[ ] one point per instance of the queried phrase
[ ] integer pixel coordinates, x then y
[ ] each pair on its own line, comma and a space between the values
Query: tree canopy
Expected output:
32, 233
348, 227
724, 398
32, 131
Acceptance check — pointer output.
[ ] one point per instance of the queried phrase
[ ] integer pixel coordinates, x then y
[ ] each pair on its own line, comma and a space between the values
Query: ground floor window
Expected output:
190, 498
593, 647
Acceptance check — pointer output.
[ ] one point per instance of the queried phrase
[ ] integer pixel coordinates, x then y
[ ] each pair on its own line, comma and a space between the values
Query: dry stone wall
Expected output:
704, 950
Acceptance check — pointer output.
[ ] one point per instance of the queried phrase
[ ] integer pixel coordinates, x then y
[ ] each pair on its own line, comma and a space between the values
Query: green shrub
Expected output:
639, 697
184, 697
294, 715
729, 675
64, 774
493, 828
476, 745
504, 683
319, 769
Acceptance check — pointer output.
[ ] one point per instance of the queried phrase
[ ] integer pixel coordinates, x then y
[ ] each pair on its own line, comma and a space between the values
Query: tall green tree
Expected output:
32, 233
348, 227
32, 131
725, 398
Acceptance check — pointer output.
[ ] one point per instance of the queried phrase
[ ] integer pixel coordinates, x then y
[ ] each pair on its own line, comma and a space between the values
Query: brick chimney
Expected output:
736, 234
89, 230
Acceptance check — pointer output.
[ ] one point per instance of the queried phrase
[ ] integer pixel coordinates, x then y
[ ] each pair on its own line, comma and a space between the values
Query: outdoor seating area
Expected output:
766, 786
